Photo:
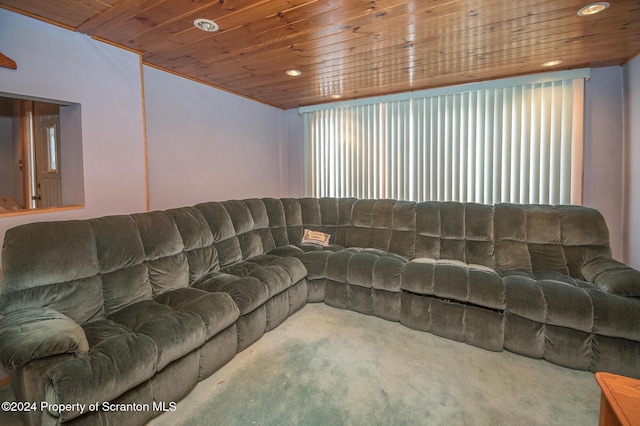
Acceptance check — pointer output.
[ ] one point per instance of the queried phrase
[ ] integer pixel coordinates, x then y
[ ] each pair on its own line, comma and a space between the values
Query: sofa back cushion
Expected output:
258, 211
86, 269
140, 256
511, 249
383, 224
121, 257
52, 264
327, 215
456, 231
293, 219
223, 231
531, 238
165, 259
199, 248
277, 221
584, 236
248, 238
289, 217
240, 229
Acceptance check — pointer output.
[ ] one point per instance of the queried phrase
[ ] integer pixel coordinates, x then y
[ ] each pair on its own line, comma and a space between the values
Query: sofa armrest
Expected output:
29, 334
613, 276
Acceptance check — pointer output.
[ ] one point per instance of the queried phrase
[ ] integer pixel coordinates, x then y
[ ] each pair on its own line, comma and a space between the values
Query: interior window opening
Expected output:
40, 155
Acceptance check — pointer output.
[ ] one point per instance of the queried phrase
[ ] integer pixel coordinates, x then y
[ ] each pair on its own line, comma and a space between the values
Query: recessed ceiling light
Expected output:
206, 25
593, 8
336, 96
294, 73
552, 63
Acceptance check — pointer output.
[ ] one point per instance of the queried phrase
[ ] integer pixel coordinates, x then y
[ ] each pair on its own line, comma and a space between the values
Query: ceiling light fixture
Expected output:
552, 63
593, 8
206, 25
336, 96
294, 73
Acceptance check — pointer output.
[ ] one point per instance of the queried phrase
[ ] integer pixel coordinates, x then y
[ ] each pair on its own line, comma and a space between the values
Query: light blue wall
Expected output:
205, 144
295, 153
603, 147
54, 63
631, 161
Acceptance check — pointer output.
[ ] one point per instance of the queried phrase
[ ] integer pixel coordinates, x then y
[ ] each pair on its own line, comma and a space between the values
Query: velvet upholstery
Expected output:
31, 334
135, 308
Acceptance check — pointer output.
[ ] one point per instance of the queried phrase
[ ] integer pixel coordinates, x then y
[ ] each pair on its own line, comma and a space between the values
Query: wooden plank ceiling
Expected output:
351, 48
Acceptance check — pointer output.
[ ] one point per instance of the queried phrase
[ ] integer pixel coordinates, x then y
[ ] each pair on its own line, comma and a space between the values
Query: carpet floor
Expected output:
325, 366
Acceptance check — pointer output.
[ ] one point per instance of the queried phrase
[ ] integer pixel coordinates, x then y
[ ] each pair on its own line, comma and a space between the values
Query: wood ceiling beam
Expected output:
7, 62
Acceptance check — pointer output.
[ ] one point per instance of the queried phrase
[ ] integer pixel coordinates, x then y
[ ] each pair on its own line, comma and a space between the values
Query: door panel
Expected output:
48, 176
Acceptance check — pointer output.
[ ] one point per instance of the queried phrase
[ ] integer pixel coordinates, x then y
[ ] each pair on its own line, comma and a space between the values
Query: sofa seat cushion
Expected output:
306, 247
118, 360
175, 333
313, 257
455, 280
288, 250
316, 263
292, 250
217, 310
248, 293
292, 265
369, 268
278, 273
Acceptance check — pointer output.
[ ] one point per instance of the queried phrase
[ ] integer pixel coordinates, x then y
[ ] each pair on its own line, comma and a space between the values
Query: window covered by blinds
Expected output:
517, 143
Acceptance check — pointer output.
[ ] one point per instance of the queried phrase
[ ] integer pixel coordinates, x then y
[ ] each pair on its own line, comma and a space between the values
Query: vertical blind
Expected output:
521, 144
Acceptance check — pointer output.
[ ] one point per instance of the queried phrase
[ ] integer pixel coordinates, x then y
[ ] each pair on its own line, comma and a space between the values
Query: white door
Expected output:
48, 176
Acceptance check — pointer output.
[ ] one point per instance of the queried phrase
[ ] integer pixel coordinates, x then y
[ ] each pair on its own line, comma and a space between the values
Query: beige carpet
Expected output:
326, 366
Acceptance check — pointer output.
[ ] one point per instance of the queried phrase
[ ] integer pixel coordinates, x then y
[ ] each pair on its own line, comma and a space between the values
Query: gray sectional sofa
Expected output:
136, 309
